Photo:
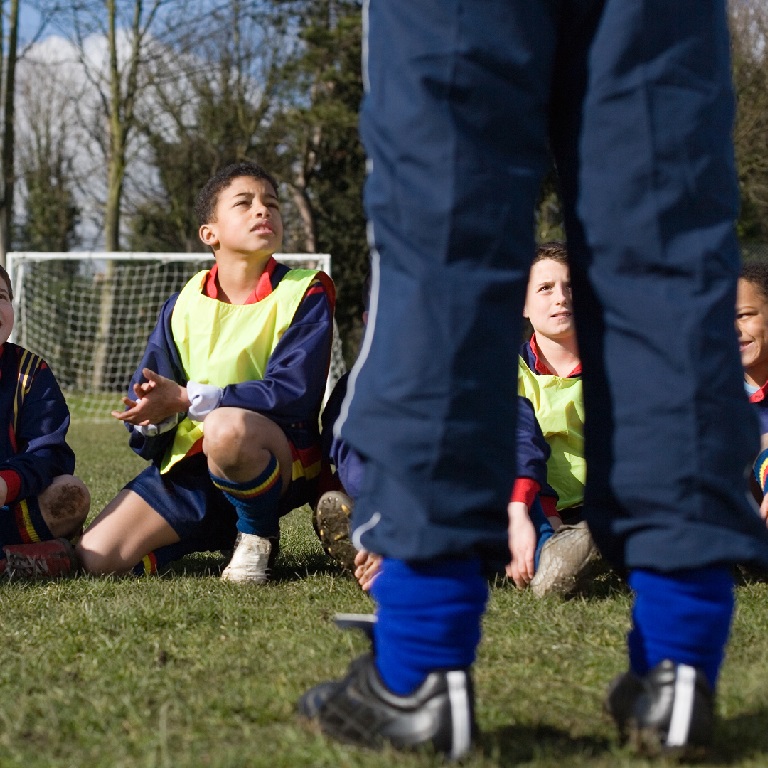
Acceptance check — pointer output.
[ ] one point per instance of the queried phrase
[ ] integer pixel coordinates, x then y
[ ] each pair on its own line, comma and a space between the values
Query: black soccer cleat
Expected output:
359, 709
669, 711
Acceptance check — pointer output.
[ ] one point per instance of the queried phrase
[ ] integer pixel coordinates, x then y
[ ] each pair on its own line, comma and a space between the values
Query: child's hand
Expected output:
764, 509
368, 567
156, 400
522, 544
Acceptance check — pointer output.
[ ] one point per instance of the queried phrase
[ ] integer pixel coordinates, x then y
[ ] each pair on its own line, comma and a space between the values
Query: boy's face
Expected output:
6, 312
752, 328
247, 219
548, 300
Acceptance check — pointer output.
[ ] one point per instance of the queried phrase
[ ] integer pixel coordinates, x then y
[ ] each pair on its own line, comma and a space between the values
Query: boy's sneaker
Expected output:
669, 711
359, 709
332, 523
250, 561
569, 559
41, 560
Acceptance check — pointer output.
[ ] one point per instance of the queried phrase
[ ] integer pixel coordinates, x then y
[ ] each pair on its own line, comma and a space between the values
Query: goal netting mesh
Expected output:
89, 315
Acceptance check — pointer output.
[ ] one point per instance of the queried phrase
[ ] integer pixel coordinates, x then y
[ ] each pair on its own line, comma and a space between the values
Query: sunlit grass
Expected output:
186, 671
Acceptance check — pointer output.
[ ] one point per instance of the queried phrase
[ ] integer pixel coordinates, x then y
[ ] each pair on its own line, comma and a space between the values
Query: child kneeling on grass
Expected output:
40, 498
532, 509
549, 375
226, 401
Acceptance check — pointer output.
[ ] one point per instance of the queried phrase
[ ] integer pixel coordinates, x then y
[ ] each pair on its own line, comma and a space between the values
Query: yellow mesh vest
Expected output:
223, 344
559, 406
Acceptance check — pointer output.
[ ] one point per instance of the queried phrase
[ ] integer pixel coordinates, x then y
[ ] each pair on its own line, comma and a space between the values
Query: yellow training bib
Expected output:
223, 344
559, 406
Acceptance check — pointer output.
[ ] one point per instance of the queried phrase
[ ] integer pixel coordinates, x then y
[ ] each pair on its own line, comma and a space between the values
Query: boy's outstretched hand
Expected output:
157, 399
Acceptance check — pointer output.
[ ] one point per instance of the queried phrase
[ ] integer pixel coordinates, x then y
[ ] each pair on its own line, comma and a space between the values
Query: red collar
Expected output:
540, 367
261, 291
760, 395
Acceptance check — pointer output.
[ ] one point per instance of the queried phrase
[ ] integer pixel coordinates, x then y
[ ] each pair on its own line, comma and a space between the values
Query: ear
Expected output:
208, 235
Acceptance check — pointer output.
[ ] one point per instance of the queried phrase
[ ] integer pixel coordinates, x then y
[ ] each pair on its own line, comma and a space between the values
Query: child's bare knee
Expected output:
65, 505
225, 429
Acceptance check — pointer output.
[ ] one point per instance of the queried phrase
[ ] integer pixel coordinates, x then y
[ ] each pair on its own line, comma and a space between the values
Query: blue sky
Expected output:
28, 22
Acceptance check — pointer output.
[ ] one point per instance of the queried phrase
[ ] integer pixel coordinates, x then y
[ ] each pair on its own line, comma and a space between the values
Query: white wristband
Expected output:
153, 430
203, 399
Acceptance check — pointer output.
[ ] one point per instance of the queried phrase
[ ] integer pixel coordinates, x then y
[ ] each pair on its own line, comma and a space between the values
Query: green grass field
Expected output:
185, 671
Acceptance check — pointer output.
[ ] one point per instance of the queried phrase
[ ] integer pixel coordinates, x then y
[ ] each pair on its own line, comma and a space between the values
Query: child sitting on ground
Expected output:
40, 498
549, 375
226, 400
752, 329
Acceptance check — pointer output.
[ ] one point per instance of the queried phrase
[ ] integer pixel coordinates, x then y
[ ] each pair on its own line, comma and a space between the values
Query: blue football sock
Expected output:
428, 619
684, 617
255, 501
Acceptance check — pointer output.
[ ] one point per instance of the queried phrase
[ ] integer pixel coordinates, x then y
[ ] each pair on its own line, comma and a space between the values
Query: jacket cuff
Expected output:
13, 481
525, 490
549, 505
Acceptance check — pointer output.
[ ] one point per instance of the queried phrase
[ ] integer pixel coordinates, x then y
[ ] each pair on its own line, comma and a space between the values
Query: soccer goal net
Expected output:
89, 315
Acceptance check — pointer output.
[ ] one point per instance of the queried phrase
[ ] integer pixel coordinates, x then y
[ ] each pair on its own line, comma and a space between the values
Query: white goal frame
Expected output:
40, 328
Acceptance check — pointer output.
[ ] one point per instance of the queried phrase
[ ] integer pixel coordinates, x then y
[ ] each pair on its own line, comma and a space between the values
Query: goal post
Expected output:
89, 314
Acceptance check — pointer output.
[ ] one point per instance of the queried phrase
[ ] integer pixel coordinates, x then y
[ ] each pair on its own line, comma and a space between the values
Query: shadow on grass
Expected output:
287, 568
606, 586
291, 568
741, 737
736, 739
197, 564
516, 744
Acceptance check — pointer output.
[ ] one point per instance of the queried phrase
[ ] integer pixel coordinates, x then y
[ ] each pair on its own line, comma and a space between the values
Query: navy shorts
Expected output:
195, 508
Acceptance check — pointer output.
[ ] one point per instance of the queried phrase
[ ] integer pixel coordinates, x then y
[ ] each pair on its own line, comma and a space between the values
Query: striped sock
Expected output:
761, 469
255, 501
147, 566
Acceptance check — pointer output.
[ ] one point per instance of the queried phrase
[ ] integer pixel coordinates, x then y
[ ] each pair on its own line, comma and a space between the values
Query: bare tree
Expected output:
212, 100
112, 40
8, 62
47, 137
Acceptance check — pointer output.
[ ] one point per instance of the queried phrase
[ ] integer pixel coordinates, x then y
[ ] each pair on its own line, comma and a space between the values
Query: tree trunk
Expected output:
116, 172
305, 215
9, 134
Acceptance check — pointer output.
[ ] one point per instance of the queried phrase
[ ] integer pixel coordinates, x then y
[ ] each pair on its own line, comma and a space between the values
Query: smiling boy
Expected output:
226, 400
752, 329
